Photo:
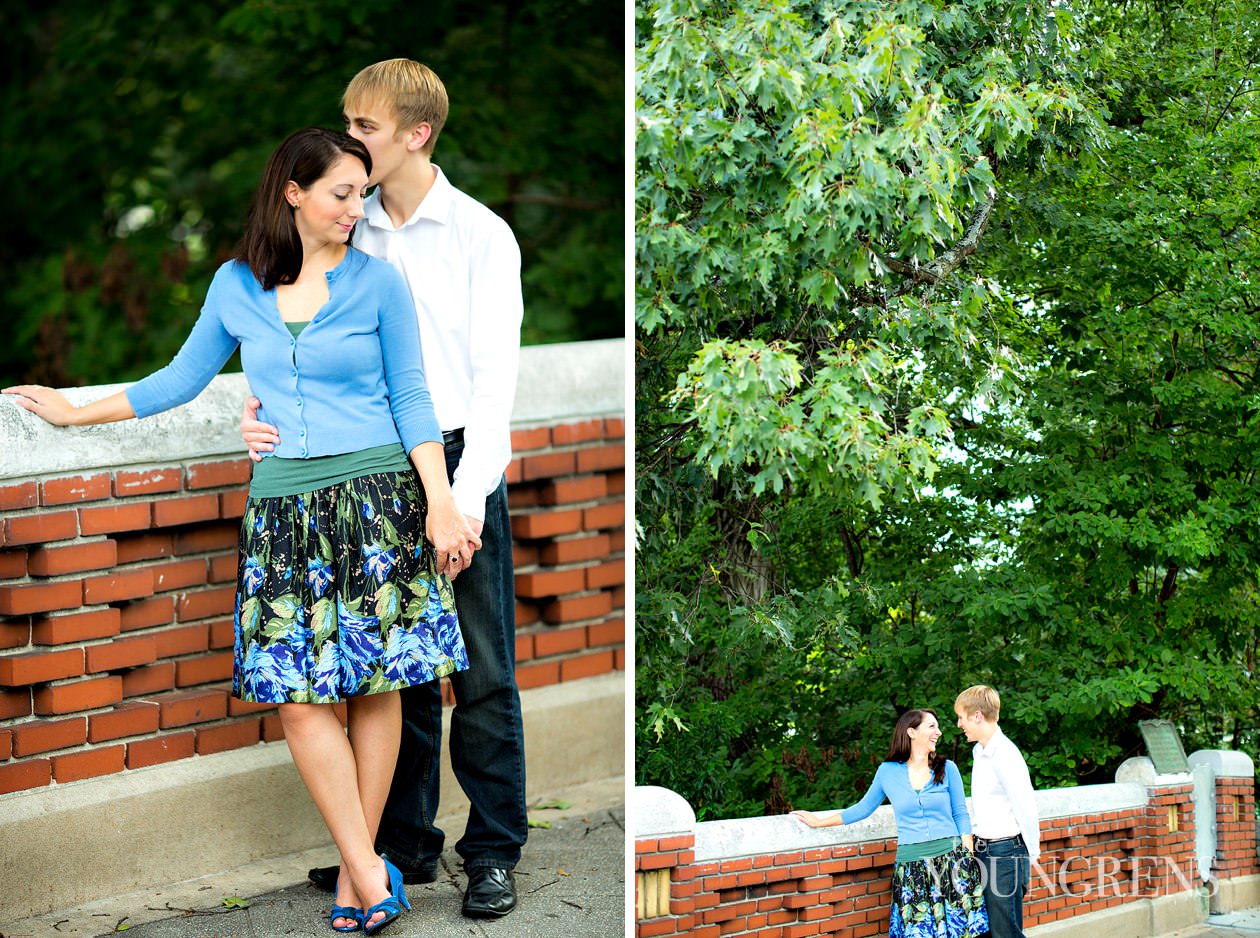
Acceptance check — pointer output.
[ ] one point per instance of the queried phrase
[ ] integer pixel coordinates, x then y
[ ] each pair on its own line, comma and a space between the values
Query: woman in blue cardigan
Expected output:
937, 890
340, 596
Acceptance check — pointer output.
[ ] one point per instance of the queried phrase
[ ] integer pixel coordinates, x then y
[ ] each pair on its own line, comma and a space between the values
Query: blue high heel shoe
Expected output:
354, 913
393, 906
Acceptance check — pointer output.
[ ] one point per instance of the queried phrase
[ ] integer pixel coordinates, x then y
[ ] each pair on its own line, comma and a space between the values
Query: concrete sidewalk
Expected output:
571, 882
1244, 924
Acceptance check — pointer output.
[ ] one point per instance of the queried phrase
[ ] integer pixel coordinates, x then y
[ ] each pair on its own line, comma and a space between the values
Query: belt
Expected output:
982, 842
451, 437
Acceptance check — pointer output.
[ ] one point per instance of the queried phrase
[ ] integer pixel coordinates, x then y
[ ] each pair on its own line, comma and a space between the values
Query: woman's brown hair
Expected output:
271, 246
899, 748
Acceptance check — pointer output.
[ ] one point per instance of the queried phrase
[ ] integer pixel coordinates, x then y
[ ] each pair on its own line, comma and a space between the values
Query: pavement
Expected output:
1244, 924
571, 883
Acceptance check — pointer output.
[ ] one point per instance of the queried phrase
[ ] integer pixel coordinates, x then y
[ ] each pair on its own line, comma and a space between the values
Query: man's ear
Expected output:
419, 136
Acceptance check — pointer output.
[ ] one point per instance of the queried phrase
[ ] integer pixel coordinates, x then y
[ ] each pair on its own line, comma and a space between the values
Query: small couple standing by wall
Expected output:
954, 878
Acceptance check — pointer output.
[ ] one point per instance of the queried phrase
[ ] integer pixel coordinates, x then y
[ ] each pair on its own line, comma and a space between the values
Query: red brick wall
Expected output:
1235, 829
117, 586
1090, 862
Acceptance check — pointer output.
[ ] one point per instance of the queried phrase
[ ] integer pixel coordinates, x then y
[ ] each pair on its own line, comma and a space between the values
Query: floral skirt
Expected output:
338, 595
939, 897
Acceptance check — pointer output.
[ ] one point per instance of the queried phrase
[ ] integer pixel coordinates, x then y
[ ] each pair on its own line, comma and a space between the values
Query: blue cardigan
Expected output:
934, 812
352, 380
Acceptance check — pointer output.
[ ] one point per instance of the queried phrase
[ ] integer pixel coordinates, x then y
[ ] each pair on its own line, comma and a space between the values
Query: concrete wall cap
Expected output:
1089, 799
659, 811
1141, 770
1224, 762
555, 383
745, 837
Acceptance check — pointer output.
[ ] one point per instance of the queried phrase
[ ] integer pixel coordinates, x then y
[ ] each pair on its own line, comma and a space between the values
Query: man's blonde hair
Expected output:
412, 92
980, 697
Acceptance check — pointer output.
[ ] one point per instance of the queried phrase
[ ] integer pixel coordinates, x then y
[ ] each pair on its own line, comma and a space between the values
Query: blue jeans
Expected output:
1006, 869
487, 740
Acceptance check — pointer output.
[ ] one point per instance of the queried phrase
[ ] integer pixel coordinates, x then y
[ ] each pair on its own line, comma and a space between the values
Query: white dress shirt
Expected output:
463, 267
1002, 801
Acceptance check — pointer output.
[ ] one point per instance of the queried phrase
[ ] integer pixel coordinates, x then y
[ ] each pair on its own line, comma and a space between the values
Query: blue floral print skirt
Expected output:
939, 897
338, 595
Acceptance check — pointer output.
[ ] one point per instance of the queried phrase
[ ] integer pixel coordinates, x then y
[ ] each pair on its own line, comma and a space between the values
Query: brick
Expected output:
15, 703
147, 546
75, 489
612, 573
538, 674
559, 641
41, 528
612, 515
207, 538
618, 540
185, 640
524, 647
238, 707
40, 666
16, 634
137, 718
22, 495
546, 524
144, 752
616, 482
6, 745
149, 679
548, 465
45, 735
524, 555
116, 587
601, 458
583, 432
232, 504
273, 729
521, 496
89, 764
22, 776
573, 608
222, 633
612, 632
223, 568
40, 597
208, 475
512, 474
549, 583
125, 653
146, 613
203, 670
75, 558
175, 511
79, 695
533, 438
200, 605
179, 574
192, 707
113, 518
12, 564
572, 669
575, 549
229, 736
569, 491
614, 428
526, 614
618, 597
148, 481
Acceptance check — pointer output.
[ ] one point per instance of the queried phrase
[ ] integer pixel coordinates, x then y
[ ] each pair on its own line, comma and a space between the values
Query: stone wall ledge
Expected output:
563, 381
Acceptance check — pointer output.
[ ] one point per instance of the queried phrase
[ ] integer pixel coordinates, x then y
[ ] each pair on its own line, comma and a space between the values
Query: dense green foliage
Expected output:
135, 133
947, 373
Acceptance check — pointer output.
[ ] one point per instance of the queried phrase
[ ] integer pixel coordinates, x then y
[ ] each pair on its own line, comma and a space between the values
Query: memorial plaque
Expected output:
1164, 746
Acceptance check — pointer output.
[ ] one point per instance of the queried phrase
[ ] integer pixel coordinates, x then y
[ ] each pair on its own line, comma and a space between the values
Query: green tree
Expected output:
890, 336
136, 133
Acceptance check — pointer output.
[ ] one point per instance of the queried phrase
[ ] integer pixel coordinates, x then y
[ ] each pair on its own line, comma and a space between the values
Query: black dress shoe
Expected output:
491, 893
325, 877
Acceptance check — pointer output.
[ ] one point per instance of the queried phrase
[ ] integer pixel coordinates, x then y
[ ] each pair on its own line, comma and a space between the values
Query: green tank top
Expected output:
275, 477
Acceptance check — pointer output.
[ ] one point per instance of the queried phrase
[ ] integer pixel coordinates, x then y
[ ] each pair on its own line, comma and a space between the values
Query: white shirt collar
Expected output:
435, 206
991, 749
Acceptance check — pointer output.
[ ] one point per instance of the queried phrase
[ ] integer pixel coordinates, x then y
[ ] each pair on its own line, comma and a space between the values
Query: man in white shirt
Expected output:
1004, 810
462, 265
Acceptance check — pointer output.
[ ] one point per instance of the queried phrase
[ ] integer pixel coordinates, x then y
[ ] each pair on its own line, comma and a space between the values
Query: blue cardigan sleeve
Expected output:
409, 399
204, 352
957, 798
873, 798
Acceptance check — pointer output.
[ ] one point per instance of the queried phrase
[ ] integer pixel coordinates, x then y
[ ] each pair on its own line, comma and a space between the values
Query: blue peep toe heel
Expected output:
351, 912
393, 906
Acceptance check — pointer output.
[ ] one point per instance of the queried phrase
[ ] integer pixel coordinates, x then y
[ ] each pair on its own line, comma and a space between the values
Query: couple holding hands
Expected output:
953, 878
